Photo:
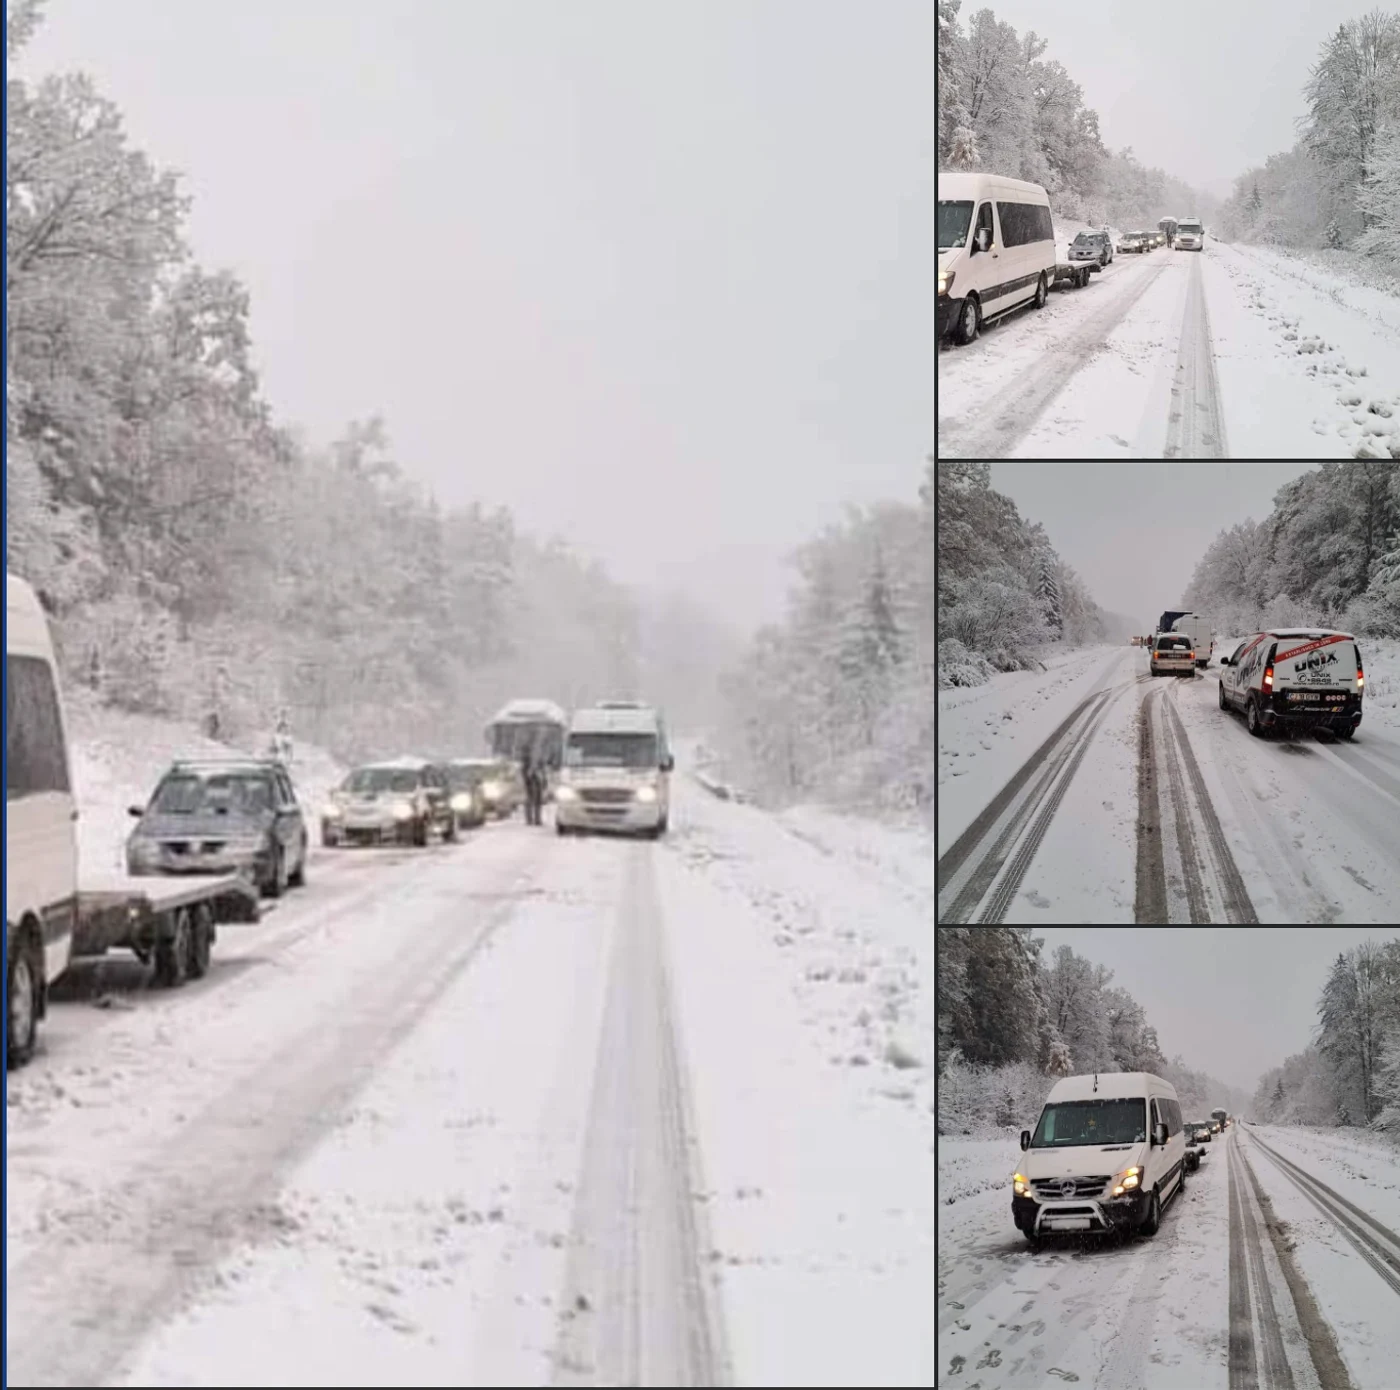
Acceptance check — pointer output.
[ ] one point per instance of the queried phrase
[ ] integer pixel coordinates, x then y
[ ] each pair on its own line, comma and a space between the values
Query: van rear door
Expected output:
1316, 672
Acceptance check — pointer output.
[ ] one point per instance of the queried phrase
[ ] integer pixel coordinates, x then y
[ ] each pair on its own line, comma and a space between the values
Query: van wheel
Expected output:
1042, 288
1251, 717
969, 321
1153, 1220
22, 1013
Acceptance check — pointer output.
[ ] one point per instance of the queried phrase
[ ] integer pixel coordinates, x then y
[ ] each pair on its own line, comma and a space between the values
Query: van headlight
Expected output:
461, 801
1020, 1185
565, 794
945, 280
491, 791
403, 810
646, 793
1128, 1181
331, 811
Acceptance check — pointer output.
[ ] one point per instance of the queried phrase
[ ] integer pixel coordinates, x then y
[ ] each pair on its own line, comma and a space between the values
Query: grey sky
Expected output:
1203, 92
654, 276
1135, 532
1229, 1001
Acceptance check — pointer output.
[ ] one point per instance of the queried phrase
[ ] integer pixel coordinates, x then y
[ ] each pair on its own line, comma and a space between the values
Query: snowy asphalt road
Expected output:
432, 1122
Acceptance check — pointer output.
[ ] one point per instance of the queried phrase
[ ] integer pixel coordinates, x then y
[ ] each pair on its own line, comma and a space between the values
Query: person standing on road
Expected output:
533, 775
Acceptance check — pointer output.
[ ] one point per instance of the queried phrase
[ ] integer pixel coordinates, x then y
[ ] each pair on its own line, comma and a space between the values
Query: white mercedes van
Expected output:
617, 771
1107, 1154
996, 250
41, 842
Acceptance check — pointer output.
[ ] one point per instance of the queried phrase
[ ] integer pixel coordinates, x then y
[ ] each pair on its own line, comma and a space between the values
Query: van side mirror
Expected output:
136, 810
1025, 1138
668, 763
982, 241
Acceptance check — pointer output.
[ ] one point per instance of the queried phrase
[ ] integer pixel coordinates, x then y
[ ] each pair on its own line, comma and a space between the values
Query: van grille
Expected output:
1069, 1189
605, 796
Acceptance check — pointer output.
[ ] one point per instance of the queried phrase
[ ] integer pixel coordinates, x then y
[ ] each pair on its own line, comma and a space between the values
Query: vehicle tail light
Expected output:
1360, 673
1268, 682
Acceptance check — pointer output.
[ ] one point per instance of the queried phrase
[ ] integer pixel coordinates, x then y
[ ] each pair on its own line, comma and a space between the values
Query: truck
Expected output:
54, 912
1168, 226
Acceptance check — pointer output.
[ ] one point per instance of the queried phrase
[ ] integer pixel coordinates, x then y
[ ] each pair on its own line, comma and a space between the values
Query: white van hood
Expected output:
1082, 1160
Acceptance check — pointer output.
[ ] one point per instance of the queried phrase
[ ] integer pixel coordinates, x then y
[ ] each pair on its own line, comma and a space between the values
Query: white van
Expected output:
1198, 629
996, 250
1107, 1154
41, 842
1295, 678
617, 771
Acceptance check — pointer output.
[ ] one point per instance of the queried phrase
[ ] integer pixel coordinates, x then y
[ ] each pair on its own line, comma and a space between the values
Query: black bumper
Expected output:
1278, 712
944, 316
1125, 1213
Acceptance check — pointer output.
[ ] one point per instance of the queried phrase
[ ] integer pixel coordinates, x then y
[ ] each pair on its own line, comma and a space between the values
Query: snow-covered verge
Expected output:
118, 758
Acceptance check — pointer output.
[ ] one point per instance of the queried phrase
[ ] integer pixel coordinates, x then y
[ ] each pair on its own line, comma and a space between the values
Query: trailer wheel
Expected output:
173, 951
22, 1011
201, 942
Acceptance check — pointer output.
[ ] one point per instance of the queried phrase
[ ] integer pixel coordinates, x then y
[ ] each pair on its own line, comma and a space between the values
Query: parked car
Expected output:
1200, 1131
1172, 654
222, 815
1092, 246
1134, 241
1295, 679
402, 801
1190, 235
1108, 1152
996, 250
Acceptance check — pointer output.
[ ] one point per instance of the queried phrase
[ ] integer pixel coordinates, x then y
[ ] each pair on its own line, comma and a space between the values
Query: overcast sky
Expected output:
1229, 1001
1135, 532
1201, 91
656, 276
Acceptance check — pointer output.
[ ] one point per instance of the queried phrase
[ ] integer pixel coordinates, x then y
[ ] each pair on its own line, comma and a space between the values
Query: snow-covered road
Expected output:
518, 1111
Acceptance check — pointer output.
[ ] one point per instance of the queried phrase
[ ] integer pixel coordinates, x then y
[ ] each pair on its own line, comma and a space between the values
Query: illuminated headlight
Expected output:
491, 790
1020, 1185
1128, 1182
565, 794
462, 801
646, 793
331, 811
403, 810
945, 281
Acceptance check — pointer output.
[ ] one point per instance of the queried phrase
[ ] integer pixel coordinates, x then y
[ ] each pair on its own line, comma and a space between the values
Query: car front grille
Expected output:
1069, 1189
605, 796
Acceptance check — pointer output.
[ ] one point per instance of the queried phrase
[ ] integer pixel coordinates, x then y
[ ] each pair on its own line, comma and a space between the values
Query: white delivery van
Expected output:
617, 771
41, 842
996, 250
1198, 629
1107, 1154
1295, 679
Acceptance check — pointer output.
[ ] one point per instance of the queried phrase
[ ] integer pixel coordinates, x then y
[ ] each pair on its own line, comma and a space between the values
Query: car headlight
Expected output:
461, 801
491, 790
646, 793
331, 811
565, 794
403, 810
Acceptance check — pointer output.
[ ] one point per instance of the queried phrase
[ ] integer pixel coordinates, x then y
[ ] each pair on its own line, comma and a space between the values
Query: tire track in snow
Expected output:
1196, 420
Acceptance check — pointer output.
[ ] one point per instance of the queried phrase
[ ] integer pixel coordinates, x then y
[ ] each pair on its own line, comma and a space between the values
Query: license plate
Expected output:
1073, 1223
1303, 695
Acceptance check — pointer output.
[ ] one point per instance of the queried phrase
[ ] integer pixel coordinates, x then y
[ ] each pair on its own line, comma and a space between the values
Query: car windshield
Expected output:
464, 776
1122, 1120
1085, 237
382, 779
611, 750
954, 218
219, 793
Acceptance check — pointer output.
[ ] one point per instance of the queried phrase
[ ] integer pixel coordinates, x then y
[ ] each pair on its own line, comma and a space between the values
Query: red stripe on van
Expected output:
1307, 647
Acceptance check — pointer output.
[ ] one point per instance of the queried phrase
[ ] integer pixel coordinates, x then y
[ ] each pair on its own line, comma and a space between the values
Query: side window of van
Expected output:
1173, 1118
1022, 223
34, 755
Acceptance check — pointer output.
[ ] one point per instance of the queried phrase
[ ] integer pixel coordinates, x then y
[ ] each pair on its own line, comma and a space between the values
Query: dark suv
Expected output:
227, 815
1092, 246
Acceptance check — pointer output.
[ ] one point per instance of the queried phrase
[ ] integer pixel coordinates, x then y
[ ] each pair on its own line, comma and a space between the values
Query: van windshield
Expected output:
954, 218
610, 750
1122, 1120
